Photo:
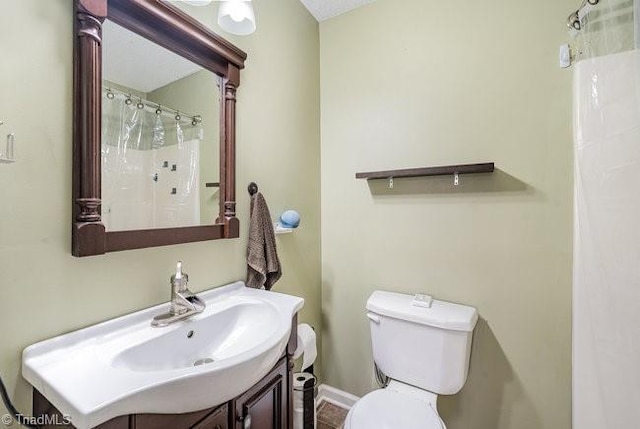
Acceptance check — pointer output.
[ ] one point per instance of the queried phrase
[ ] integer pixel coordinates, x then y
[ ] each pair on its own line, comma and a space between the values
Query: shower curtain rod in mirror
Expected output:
160, 108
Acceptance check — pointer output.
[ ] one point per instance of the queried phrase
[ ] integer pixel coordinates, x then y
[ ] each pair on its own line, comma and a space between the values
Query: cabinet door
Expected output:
198, 419
219, 419
265, 405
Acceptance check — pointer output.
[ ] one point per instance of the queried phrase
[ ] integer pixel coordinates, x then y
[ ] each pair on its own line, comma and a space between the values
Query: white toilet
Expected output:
423, 346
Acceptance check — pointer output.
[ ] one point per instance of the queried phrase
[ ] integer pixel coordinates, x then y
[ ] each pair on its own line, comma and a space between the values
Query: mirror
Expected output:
160, 132
154, 128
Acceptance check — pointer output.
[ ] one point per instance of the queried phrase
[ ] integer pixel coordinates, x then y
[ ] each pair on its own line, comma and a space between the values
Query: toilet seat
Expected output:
389, 409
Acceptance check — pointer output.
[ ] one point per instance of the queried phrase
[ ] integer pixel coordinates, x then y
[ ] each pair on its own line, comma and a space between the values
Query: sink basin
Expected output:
232, 331
126, 366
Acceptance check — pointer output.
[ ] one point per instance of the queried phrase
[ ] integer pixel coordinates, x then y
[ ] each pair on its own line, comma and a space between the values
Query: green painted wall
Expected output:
430, 82
44, 290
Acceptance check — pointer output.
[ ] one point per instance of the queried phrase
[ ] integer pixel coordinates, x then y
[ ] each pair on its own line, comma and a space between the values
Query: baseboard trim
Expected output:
336, 396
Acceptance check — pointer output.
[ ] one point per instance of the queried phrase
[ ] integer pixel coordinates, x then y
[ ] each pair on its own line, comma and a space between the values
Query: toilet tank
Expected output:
428, 348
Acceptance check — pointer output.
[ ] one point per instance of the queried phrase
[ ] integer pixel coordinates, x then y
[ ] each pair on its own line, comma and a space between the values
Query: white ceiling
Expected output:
325, 9
133, 61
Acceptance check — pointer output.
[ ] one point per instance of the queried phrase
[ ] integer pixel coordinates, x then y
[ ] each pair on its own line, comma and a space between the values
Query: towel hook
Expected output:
252, 188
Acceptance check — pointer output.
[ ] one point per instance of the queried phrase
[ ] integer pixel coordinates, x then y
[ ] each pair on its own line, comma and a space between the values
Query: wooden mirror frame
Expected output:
169, 27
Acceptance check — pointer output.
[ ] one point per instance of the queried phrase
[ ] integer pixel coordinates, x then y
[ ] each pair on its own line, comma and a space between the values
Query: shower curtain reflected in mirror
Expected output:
150, 166
606, 287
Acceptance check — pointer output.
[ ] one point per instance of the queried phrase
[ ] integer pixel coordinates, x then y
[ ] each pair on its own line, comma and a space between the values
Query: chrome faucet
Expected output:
184, 303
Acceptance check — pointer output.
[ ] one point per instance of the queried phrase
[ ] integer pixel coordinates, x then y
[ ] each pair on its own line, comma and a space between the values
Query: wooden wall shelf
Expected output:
443, 170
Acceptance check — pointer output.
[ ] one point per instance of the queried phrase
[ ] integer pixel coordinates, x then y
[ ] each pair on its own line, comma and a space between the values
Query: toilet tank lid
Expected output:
441, 314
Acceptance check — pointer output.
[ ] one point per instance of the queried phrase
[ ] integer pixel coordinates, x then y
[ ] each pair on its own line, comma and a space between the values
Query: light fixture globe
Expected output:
237, 17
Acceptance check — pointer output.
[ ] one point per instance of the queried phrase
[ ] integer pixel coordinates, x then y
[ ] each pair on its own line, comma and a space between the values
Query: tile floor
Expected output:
330, 416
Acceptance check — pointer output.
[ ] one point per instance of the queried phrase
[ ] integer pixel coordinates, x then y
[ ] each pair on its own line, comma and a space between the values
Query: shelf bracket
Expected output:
456, 179
391, 182
7, 154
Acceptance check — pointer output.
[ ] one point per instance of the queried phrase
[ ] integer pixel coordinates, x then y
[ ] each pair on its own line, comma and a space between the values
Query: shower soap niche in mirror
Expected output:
163, 87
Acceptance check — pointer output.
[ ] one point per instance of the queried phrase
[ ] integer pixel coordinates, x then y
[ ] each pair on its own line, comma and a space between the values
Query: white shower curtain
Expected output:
150, 167
606, 288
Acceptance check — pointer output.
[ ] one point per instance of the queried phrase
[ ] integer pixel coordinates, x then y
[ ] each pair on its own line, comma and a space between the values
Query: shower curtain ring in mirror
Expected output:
140, 104
110, 95
593, 2
178, 117
574, 21
128, 101
159, 110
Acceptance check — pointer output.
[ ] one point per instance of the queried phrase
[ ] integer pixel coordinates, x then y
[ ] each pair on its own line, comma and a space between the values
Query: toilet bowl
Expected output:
395, 407
423, 346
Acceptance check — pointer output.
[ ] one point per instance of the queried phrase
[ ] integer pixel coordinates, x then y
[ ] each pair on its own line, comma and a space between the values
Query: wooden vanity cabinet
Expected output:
266, 405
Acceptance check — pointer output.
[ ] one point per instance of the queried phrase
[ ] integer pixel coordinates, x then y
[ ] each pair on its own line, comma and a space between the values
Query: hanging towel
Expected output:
263, 265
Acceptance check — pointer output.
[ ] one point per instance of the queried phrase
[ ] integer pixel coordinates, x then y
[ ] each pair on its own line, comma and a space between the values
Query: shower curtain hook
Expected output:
573, 21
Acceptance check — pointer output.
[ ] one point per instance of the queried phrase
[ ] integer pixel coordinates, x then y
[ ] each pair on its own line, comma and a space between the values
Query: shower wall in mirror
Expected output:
160, 136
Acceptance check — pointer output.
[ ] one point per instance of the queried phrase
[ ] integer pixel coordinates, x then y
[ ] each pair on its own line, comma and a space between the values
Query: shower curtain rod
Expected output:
573, 21
142, 103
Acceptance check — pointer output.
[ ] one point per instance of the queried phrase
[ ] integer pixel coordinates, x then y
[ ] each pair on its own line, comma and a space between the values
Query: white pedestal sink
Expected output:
125, 366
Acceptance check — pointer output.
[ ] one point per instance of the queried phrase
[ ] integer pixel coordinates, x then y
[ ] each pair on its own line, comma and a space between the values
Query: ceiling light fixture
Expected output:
237, 17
